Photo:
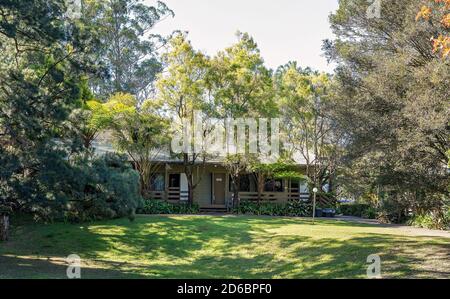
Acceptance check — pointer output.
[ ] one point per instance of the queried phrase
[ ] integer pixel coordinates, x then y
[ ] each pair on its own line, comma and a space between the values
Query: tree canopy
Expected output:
391, 102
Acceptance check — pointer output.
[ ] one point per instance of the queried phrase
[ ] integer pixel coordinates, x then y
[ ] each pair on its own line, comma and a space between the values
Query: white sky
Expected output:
284, 29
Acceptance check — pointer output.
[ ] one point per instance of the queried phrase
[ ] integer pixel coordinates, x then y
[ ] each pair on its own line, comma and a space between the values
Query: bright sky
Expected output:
284, 29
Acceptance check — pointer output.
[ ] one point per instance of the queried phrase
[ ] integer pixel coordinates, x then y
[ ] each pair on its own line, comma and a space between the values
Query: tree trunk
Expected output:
190, 195
188, 171
260, 182
310, 191
190, 180
260, 187
87, 142
235, 184
4, 227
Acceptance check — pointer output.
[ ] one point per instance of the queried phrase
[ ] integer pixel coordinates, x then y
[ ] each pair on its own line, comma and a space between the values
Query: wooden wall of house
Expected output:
203, 192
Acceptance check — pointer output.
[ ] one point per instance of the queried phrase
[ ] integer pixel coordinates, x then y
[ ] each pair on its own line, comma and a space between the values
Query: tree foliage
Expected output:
240, 84
42, 61
182, 90
139, 132
128, 46
309, 130
391, 104
46, 60
435, 12
97, 188
241, 87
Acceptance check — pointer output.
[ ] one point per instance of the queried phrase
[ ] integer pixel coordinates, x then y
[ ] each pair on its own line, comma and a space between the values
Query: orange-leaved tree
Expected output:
438, 11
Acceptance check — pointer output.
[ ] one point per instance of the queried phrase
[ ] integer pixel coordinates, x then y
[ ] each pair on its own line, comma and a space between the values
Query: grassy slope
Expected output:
220, 247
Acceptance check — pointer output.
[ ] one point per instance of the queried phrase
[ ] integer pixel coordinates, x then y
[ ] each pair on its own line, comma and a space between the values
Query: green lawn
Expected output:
220, 247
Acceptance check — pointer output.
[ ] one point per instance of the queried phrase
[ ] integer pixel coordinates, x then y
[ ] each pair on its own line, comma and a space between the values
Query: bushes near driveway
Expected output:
431, 220
358, 210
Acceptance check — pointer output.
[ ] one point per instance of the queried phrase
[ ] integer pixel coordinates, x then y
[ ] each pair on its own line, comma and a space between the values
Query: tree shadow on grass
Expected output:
324, 258
401, 257
215, 247
177, 237
108, 243
14, 267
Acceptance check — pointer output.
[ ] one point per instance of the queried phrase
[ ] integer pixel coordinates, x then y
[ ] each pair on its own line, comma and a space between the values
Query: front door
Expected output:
219, 189
174, 186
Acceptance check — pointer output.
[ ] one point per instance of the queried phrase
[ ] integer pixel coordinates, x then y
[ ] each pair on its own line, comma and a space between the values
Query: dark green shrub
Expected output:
393, 209
425, 221
431, 220
150, 207
369, 213
291, 209
102, 188
82, 188
358, 210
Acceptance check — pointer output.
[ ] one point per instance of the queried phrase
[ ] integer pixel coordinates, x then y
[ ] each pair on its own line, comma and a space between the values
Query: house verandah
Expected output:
214, 189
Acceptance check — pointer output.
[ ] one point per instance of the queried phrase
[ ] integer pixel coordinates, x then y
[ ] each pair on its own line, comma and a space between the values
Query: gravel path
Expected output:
402, 229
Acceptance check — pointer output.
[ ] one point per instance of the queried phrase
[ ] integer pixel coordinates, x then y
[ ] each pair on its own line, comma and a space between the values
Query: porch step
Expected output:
213, 210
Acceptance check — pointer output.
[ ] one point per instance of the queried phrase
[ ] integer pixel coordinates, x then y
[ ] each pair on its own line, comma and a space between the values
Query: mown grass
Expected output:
220, 247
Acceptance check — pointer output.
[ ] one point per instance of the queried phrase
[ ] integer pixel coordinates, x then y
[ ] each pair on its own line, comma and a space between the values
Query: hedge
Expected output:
163, 207
358, 210
292, 209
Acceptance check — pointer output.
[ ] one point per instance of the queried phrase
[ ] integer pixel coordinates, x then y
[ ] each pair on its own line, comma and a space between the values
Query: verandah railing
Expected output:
173, 194
274, 196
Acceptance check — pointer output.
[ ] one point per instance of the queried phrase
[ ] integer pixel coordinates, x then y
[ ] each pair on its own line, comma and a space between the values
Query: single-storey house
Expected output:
214, 190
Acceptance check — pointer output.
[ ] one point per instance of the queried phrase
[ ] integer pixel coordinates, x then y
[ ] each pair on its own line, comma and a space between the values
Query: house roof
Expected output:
102, 145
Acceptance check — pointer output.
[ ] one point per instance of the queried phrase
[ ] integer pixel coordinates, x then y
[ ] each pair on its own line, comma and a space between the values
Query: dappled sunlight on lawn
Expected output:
221, 247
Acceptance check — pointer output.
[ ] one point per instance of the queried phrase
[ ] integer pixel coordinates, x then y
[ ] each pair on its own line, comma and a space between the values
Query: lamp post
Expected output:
314, 203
